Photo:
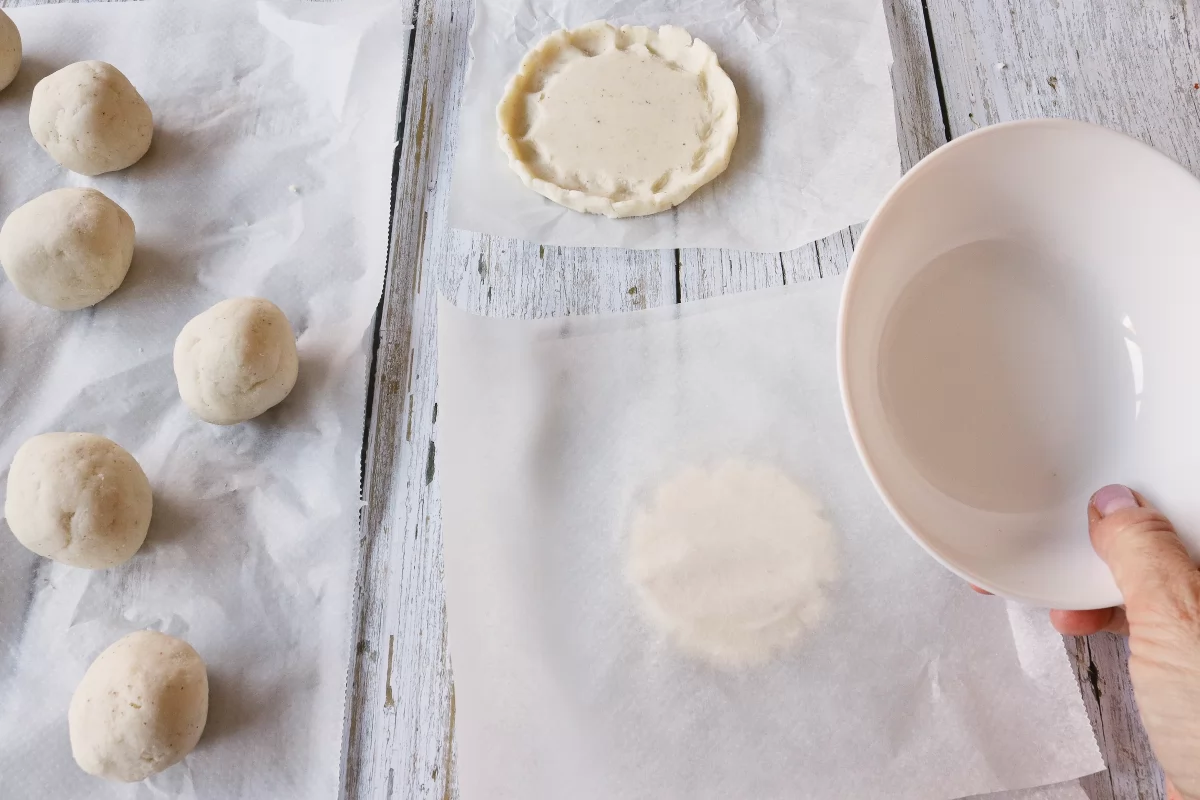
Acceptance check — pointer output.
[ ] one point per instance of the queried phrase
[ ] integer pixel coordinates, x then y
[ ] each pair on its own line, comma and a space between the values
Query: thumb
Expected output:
1148, 561
1161, 588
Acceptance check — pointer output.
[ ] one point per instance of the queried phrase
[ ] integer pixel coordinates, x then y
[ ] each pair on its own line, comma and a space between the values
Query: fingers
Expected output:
1082, 623
1085, 623
1148, 561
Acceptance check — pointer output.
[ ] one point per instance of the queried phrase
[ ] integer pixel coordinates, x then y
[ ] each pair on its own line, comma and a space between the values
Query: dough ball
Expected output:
90, 119
78, 498
10, 50
68, 248
236, 360
140, 707
732, 563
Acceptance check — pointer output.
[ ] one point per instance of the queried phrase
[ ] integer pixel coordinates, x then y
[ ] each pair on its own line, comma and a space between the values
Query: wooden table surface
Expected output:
1133, 65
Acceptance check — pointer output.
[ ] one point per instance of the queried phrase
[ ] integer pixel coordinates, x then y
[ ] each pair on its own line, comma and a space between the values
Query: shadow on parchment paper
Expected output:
749, 144
170, 523
168, 149
312, 386
16, 594
154, 276
20, 90
15, 99
233, 710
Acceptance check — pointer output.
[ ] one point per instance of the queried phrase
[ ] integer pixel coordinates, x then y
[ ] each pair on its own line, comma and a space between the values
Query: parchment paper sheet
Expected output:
552, 432
269, 175
816, 147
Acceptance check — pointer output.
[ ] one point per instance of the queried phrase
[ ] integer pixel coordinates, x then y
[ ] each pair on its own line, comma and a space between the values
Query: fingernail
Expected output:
1113, 498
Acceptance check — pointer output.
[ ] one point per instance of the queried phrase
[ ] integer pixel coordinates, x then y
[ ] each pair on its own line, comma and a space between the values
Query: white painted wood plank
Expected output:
401, 739
511, 278
823, 259
708, 273
1099, 663
400, 712
1132, 66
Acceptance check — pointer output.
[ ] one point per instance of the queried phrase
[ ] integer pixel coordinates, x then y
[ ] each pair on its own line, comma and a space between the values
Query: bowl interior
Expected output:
1019, 328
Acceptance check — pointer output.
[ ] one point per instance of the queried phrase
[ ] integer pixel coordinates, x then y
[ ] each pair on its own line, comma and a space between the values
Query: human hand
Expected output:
1161, 588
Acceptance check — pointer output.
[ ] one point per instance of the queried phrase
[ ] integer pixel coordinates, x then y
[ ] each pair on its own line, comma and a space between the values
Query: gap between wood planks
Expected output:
350, 719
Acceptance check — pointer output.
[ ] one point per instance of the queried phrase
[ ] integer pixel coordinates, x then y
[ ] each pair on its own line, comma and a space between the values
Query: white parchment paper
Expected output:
552, 432
268, 175
816, 147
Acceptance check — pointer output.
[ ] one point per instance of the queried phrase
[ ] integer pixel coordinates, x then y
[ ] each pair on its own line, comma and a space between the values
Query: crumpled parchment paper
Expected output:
268, 175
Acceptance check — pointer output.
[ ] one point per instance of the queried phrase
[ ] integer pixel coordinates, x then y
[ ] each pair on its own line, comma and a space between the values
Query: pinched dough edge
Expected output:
673, 45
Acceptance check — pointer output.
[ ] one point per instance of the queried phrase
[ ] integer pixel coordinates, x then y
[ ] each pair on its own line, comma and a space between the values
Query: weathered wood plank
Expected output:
1099, 663
1131, 66
511, 278
399, 714
708, 273
401, 735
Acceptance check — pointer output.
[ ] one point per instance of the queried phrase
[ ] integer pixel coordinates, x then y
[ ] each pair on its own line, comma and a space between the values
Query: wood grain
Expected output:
1132, 66
401, 709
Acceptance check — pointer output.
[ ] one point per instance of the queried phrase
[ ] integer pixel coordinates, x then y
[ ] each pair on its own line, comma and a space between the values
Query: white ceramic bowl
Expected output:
1020, 326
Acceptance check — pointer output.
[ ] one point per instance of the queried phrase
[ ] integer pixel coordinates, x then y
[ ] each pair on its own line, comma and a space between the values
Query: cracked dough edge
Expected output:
670, 43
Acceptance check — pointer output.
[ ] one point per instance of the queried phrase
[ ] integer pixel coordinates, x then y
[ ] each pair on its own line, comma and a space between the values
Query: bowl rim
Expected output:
866, 244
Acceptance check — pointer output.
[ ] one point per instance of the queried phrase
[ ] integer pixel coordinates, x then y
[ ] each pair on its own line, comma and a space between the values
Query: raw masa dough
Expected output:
79, 499
618, 121
10, 50
236, 360
68, 248
140, 707
90, 119
733, 563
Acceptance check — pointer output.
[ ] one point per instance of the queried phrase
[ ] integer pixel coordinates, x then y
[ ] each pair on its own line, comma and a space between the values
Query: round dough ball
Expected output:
90, 119
236, 360
140, 707
79, 499
68, 248
10, 50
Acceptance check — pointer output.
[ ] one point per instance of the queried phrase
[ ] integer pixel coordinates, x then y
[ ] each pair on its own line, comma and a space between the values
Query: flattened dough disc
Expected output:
618, 121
